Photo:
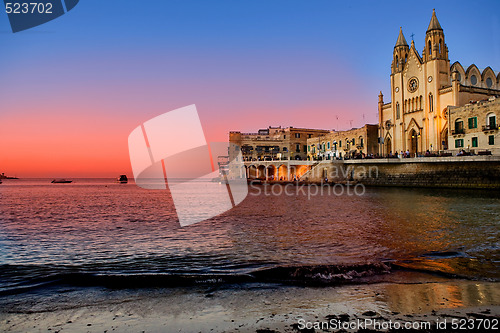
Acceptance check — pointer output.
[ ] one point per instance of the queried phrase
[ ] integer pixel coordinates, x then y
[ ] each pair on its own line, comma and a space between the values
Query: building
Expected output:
422, 89
274, 143
340, 144
474, 127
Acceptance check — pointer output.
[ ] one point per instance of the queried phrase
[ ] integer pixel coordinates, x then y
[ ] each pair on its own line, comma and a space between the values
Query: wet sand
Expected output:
254, 308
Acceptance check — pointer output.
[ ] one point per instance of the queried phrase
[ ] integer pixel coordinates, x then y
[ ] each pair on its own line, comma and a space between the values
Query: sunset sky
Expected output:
73, 89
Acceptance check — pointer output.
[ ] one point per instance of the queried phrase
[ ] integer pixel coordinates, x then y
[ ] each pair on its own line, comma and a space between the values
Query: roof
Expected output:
401, 39
434, 24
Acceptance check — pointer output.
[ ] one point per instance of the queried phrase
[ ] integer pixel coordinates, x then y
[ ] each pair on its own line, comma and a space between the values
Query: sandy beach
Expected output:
260, 308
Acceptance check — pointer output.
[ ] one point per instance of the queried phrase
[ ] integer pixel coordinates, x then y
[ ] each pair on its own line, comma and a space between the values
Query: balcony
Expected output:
490, 127
458, 131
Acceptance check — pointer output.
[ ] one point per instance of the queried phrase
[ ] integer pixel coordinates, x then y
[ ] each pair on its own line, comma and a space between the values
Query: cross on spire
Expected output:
412, 34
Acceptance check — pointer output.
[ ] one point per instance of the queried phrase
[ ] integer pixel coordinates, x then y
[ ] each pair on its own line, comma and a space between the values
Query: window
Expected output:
474, 141
297, 135
420, 102
397, 63
308, 148
473, 80
361, 142
459, 126
492, 123
489, 83
328, 145
440, 46
397, 110
284, 136
353, 141
491, 140
297, 147
309, 135
429, 47
459, 143
285, 149
340, 143
473, 122
431, 103
305, 146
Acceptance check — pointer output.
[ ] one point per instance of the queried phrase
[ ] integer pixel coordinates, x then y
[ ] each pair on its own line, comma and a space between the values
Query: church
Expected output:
423, 87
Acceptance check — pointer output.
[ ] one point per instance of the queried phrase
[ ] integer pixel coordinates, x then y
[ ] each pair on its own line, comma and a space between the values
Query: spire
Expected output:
434, 24
401, 39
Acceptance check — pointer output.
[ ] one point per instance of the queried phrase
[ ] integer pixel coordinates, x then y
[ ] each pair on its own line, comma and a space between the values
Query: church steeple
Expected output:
401, 39
434, 23
400, 55
435, 47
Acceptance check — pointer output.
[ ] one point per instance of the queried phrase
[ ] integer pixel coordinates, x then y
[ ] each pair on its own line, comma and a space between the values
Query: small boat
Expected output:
60, 181
122, 179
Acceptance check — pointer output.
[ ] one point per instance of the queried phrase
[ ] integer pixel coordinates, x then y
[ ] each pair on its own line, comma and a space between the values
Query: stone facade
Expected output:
474, 127
274, 143
341, 144
480, 172
422, 88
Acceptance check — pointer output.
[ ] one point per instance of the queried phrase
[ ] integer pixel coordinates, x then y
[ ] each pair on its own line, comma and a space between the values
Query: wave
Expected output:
20, 279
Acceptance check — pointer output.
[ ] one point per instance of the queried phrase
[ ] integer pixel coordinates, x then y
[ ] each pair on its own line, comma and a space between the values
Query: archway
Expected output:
271, 172
444, 139
252, 172
261, 172
388, 146
283, 172
413, 142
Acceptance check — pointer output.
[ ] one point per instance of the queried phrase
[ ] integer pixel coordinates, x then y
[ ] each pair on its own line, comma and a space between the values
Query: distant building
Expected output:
340, 144
422, 88
474, 126
274, 143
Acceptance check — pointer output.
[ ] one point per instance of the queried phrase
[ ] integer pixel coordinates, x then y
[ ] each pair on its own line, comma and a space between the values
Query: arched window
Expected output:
397, 63
489, 82
459, 126
431, 102
397, 111
420, 102
440, 46
473, 80
406, 58
413, 104
430, 48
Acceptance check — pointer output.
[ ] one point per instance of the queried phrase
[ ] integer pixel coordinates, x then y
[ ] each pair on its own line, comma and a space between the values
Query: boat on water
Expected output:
122, 179
3, 176
60, 181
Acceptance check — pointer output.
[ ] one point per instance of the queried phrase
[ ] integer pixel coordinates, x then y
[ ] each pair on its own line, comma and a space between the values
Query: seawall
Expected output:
445, 172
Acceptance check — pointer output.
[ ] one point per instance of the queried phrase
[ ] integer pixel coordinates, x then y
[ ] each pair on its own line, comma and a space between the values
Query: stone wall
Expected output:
445, 172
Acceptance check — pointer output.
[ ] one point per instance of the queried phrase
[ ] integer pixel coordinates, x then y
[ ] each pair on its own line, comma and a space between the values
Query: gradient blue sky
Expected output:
107, 66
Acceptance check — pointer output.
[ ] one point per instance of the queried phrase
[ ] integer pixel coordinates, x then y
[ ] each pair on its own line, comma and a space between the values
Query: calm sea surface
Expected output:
95, 231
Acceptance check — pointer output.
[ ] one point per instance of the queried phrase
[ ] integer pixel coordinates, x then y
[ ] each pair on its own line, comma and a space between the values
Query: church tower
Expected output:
436, 52
400, 54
